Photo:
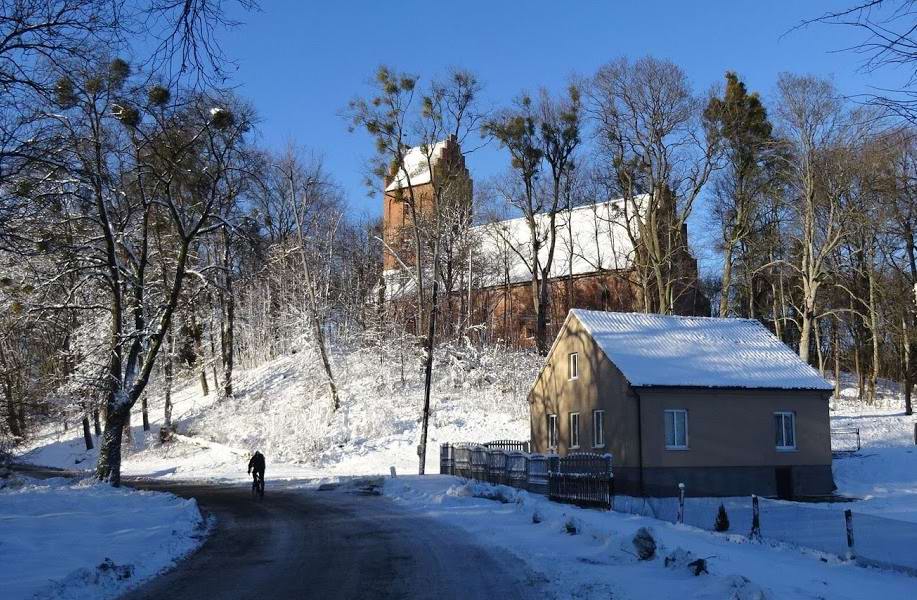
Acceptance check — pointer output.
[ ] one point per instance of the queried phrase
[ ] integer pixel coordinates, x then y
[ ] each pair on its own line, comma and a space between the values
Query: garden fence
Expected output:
584, 479
877, 541
587, 479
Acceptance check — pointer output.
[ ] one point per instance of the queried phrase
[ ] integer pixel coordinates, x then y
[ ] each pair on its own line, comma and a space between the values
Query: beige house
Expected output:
720, 405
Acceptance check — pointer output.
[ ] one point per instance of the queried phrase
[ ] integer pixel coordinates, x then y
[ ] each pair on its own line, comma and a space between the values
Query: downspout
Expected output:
639, 441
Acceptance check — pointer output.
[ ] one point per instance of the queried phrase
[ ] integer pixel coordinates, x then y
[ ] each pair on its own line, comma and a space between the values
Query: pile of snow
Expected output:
592, 554
68, 539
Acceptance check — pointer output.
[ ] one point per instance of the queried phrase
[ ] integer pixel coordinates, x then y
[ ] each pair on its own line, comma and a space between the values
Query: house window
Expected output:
598, 429
574, 430
676, 429
785, 429
573, 366
552, 431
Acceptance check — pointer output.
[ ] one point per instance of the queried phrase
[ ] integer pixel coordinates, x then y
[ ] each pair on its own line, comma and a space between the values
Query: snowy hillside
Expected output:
283, 409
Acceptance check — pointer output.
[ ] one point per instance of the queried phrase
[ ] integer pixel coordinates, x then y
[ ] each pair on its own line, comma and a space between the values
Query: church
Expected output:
486, 269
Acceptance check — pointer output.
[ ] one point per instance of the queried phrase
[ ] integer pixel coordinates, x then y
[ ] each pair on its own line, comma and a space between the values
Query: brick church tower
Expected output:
416, 182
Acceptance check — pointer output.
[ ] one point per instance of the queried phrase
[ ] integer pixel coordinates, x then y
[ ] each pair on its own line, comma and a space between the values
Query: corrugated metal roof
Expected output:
658, 350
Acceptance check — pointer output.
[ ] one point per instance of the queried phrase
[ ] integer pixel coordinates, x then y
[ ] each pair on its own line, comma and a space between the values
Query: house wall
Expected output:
731, 442
600, 386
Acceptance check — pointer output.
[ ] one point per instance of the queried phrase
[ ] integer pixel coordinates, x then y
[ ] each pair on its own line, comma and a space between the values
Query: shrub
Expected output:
722, 520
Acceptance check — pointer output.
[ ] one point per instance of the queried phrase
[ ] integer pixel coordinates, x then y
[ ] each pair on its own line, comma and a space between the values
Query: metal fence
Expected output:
875, 541
845, 441
584, 479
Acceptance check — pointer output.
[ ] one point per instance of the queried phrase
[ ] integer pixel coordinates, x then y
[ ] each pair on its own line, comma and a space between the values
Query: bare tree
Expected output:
540, 138
657, 158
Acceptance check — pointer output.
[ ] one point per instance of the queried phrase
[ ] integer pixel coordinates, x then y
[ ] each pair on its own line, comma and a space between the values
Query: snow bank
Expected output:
65, 539
600, 560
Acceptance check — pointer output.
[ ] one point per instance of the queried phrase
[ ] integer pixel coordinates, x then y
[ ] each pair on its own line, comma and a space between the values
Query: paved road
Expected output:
341, 543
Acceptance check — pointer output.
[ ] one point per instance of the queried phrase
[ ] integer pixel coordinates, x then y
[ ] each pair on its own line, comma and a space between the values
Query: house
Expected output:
720, 405
487, 282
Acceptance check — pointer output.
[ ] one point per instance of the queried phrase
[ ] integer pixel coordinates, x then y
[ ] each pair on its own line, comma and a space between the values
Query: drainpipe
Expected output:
640, 441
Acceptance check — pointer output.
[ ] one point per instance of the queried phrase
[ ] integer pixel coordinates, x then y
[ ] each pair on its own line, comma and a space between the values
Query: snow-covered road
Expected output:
345, 542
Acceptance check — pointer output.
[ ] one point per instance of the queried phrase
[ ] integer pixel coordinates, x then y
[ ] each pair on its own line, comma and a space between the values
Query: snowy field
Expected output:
600, 560
66, 539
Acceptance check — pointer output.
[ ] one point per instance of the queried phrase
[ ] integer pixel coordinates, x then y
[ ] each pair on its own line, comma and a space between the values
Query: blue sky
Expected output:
300, 62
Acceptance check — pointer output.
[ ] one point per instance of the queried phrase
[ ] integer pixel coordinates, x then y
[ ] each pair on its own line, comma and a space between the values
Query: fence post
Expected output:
611, 481
755, 519
681, 503
848, 519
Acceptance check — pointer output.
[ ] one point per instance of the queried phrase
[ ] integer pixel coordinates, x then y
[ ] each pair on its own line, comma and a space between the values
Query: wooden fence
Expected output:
583, 479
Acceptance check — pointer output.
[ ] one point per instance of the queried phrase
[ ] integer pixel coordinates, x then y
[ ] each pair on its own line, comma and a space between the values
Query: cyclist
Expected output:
256, 470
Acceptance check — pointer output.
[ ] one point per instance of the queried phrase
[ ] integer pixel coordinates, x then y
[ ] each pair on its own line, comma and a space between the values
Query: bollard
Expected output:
755, 519
392, 471
681, 503
848, 518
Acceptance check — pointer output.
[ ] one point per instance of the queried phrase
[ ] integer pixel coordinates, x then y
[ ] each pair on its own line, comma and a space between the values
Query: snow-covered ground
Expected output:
282, 408
600, 560
883, 475
67, 539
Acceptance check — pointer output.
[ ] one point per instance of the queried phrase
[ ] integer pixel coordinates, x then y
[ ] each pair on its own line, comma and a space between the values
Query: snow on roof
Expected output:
658, 350
590, 238
416, 166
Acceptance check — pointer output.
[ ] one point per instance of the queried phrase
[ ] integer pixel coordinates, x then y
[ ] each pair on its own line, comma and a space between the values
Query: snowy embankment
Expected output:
282, 408
590, 554
66, 539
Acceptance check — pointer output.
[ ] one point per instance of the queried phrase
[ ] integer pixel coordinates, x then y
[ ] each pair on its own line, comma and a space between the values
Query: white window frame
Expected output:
574, 440
598, 429
573, 366
783, 414
675, 411
552, 431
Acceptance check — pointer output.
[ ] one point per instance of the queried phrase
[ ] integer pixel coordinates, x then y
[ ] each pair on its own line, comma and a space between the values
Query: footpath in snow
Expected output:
74, 540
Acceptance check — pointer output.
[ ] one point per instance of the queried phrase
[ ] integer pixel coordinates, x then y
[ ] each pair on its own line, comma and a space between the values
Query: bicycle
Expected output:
258, 485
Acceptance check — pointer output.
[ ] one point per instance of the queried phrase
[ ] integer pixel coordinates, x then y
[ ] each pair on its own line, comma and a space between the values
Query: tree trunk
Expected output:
727, 280
907, 382
199, 349
168, 369
87, 433
227, 327
213, 350
96, 425
805, 336
12, 418
145, 413
428, 380
109, 465
818, 349
128, 434
836, 339
874, 330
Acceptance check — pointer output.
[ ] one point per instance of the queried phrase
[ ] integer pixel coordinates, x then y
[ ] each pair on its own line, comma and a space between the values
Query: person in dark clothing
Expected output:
256, 470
